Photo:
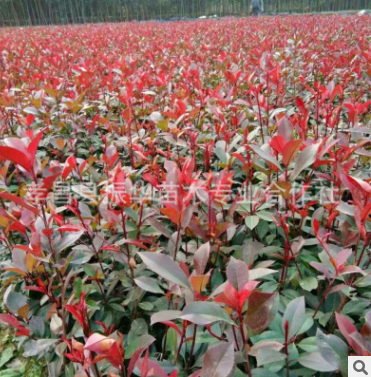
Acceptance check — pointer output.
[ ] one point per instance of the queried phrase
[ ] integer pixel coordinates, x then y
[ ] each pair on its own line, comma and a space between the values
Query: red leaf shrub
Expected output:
188, 198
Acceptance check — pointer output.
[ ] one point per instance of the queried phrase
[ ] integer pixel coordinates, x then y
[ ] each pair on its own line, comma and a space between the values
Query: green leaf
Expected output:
260, 372
165, 267
37, 326
172, 341
308, 284
141, 342
308, 323
6, 356
267, 351
309, 344
146, 306
12, 372
259, 273
204, 313
220, 151
38, 347
14, 301
117, 307
295, 316
164, 316
77, 284
89, 270
251, 221
239, 373
316, 362
67, 240
148, 284
80, 257
265, 215
356, 306
129, 211
138, 328
205, 337
333, 350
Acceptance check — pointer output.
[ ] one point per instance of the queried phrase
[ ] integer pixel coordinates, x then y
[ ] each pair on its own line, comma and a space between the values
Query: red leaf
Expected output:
133, 360
70, 164
47, 183
151, 179
316, 227
30, 119
278, 143
34, 288
146, 365
172, 325
300, 104
19, 201
17, 226
32, 147
144, 371
73, 311
138, 243
187, 171
358, 184
363, 106
290, 150
73, 210
115, 356
17, 157
112, 248
348, 330
9, 320
34, 251
48, 232
173, 214
12, 321
71, 228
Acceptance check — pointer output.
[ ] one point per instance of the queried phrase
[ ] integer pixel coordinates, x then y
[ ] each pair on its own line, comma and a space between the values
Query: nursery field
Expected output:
187, 198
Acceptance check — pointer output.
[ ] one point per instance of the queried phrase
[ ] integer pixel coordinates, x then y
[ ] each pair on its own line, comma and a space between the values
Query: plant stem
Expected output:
181, 342
235, 338
324, 297
127, 245
177, 241
362, 252
286, 348
244, 340
192, 347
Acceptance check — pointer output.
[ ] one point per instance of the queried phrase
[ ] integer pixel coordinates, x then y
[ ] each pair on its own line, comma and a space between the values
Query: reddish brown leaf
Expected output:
259, 312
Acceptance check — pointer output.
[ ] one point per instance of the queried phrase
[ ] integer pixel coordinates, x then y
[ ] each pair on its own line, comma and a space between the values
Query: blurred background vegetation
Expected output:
44, 12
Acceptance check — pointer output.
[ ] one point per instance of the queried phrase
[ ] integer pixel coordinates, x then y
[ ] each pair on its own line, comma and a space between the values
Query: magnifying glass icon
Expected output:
359, 366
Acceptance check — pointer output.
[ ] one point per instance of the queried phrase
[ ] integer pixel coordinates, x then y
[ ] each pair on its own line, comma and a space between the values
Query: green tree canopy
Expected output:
40, 12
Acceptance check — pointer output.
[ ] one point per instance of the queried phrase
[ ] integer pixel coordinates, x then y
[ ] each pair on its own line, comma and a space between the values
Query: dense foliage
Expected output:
43, 12
188, 198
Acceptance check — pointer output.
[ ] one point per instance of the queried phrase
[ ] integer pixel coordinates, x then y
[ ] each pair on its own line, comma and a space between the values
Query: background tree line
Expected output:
40, 12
